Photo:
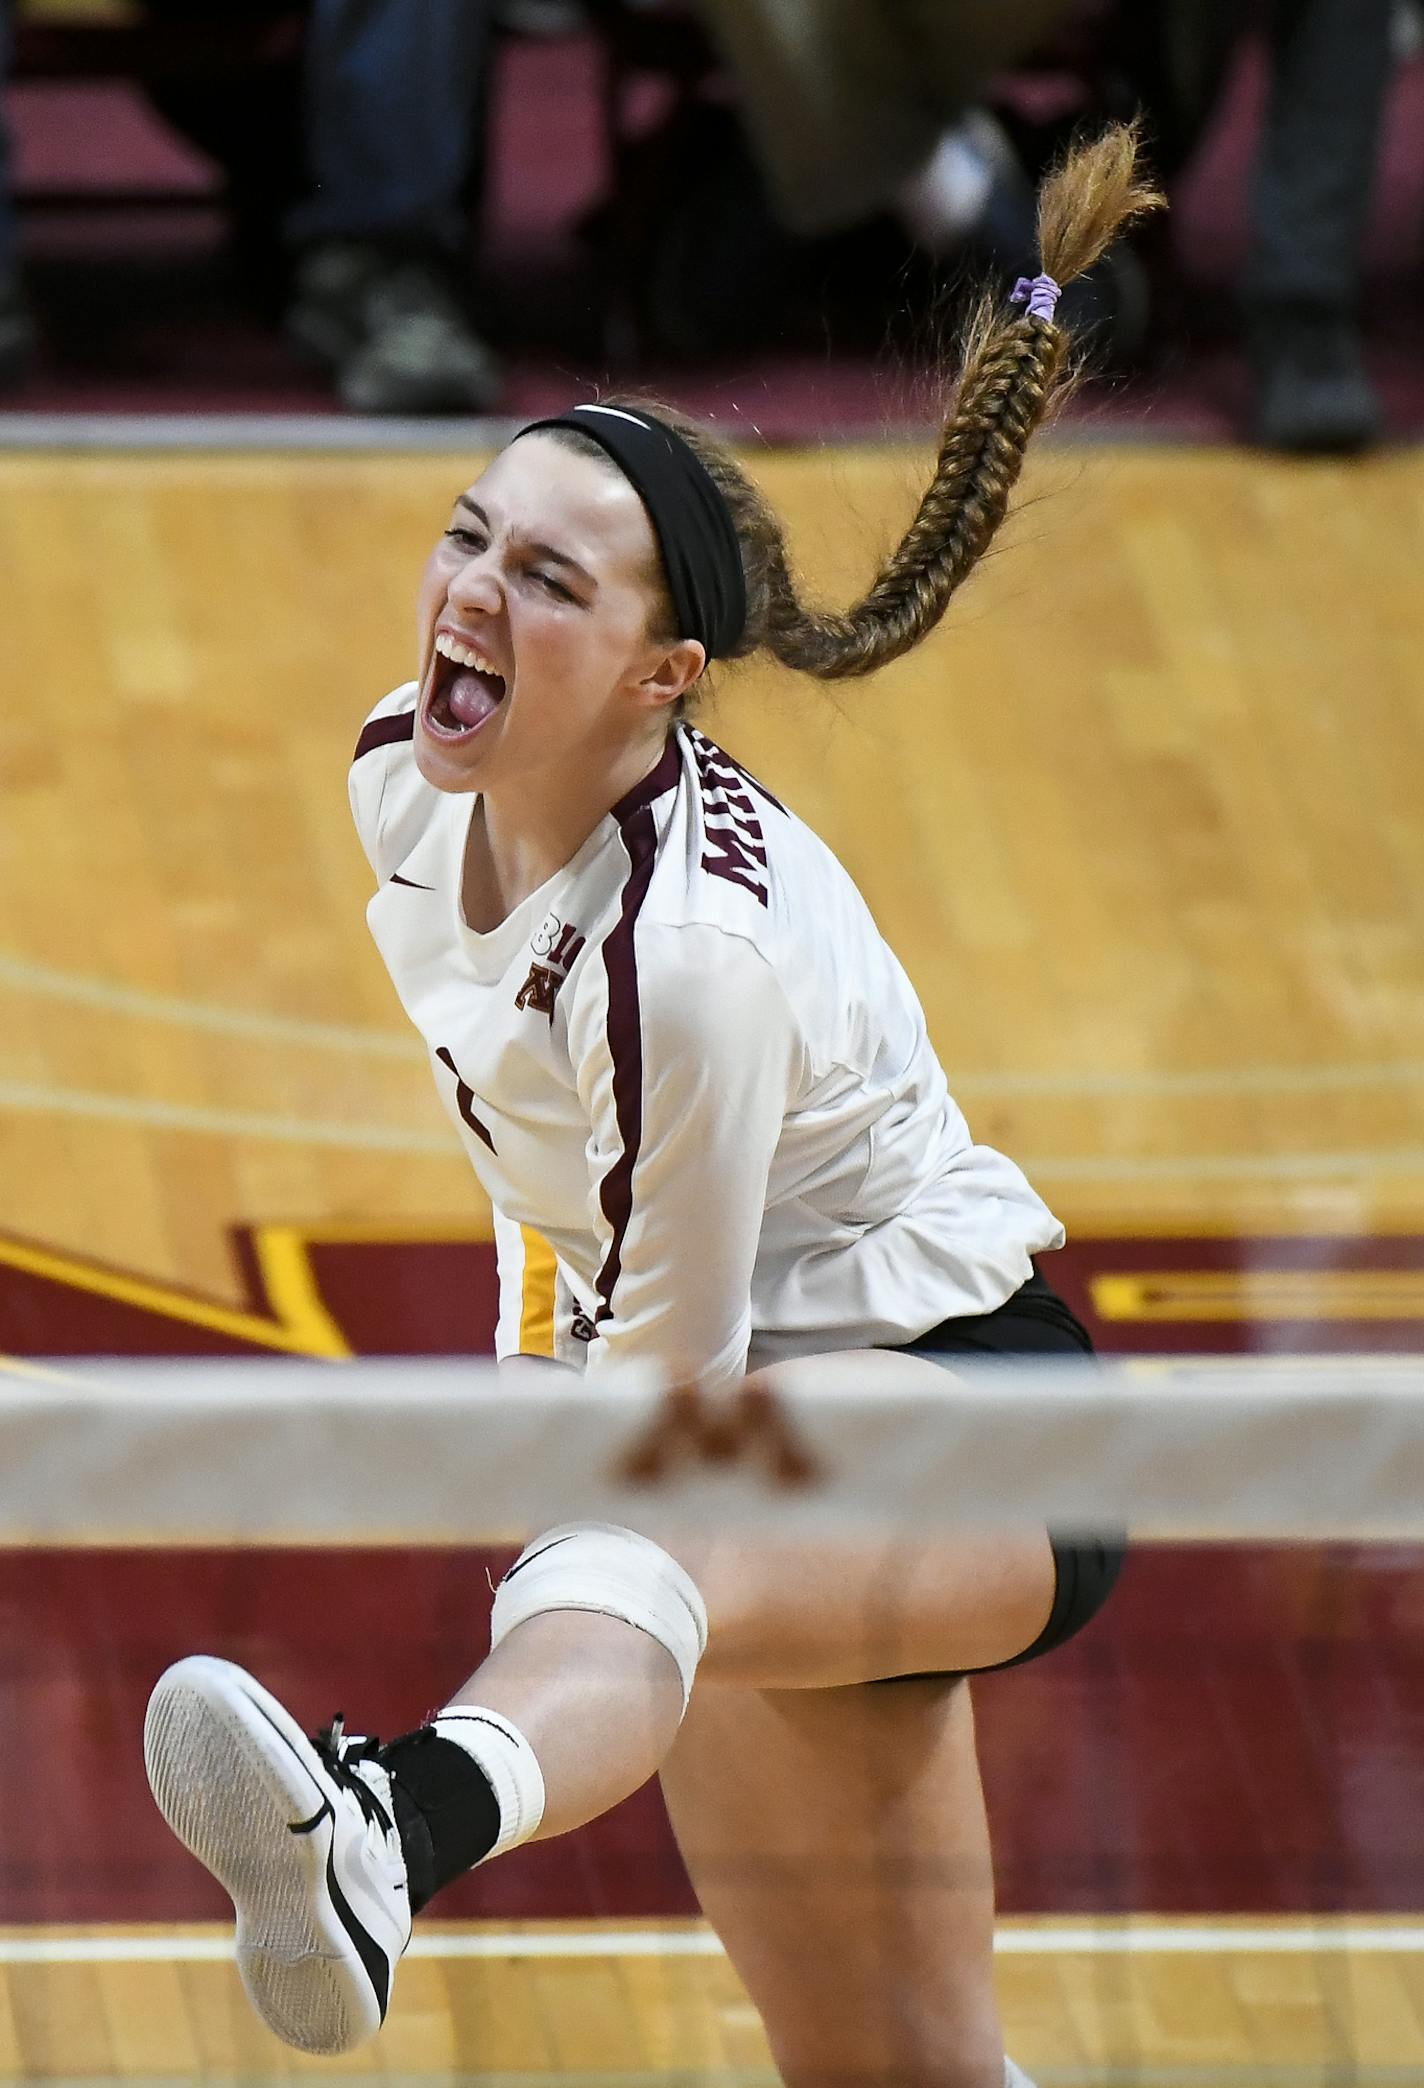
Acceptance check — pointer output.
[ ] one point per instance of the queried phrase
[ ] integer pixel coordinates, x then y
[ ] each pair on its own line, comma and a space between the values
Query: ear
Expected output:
673, 674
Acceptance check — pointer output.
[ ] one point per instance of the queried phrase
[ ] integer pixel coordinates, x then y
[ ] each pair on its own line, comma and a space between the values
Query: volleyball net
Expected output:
1207, 1809
441, 1452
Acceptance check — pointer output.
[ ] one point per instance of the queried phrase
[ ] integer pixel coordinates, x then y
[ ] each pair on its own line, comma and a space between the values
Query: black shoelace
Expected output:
339, 1755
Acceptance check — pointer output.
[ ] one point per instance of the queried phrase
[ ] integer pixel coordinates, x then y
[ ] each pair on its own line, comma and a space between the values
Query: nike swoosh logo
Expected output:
374, 1962
409, 883
520, 1564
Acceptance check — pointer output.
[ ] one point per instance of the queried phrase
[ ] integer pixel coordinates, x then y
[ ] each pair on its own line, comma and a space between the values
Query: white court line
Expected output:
1225, 1080
1287, 1167
26, 976
354, 1134
1045, 1940
254, 1023
358, 1136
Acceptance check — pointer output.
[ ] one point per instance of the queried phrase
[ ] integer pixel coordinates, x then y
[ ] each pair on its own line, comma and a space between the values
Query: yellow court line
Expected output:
303, 1338
299, 1321
1144, 1295
1291, 1226
291, 1288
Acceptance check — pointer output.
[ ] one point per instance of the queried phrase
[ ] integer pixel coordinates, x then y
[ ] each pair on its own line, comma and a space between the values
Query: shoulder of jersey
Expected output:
387, 733
734, 831
391, 800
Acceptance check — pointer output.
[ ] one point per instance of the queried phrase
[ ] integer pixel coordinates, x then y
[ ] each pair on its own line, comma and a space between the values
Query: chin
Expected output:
440, 769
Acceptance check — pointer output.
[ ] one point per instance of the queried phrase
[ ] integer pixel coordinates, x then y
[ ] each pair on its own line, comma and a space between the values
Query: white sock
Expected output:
1014, 2076
508, 1762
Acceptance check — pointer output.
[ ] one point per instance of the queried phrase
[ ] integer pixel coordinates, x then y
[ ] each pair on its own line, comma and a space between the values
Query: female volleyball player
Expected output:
678, 1051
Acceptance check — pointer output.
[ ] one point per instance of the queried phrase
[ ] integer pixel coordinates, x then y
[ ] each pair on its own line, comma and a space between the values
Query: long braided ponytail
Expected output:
1013, 364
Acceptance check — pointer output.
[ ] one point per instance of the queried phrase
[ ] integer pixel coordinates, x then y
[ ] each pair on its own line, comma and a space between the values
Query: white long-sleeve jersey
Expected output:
692, 1077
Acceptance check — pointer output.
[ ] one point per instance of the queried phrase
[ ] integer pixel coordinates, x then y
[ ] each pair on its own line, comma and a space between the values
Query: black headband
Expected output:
690, 519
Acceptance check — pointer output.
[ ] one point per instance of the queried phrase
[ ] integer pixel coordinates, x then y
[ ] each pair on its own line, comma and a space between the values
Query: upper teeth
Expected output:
462, 655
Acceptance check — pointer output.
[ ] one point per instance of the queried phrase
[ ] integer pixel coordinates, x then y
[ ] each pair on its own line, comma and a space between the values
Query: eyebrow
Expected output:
545, 551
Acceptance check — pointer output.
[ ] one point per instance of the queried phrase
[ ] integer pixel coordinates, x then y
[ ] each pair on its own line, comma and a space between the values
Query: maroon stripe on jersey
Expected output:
464, 1098
665, 776
382, 732
625, 1035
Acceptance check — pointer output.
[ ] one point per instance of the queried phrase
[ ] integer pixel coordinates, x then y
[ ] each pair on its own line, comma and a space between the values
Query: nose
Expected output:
476, 585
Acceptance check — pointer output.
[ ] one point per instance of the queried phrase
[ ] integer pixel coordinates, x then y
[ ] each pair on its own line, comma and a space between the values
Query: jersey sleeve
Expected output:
384, 743
687, 1068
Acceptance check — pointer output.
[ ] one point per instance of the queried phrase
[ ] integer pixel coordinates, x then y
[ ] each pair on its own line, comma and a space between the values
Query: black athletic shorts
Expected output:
1036, 1322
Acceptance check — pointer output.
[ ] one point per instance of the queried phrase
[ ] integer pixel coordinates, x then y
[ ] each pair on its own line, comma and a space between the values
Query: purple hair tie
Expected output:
1040, 293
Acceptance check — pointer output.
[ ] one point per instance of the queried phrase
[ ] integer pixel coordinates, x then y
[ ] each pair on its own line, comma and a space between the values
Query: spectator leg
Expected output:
846, 101
7, 208
1329, 73
17, 333
965, 44
394, 108
1330, 64
393, 93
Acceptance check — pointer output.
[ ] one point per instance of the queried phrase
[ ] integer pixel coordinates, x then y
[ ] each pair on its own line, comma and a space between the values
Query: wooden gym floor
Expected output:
1146, 825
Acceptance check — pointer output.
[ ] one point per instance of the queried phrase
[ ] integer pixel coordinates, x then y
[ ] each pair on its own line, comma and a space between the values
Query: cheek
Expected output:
584, 653
575, 671
431, 594
545, 644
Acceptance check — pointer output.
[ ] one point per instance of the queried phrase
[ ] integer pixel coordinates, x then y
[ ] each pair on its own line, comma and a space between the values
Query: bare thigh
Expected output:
837, 1841
820, 1616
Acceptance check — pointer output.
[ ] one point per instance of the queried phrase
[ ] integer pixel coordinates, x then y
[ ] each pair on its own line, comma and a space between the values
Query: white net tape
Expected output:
447, 1452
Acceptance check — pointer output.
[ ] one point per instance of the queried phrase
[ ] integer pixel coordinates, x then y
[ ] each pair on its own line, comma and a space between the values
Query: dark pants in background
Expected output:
7, 208
1330, 67
393, 91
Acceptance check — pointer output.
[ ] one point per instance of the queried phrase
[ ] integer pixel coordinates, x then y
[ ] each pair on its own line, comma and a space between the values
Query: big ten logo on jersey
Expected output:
555, 944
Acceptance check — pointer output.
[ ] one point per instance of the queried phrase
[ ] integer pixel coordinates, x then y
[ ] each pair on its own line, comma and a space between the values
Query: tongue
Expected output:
472, 696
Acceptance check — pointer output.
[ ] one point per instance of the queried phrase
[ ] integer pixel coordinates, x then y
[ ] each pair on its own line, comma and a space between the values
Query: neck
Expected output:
527, 829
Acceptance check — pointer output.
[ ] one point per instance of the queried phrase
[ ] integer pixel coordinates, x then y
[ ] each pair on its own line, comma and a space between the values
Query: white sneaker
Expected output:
300, 1835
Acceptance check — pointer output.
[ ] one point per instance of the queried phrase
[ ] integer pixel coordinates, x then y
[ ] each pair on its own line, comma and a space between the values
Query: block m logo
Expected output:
540, 990
556, 946
750, 1427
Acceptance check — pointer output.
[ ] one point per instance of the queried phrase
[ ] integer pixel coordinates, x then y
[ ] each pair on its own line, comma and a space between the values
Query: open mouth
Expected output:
459, 696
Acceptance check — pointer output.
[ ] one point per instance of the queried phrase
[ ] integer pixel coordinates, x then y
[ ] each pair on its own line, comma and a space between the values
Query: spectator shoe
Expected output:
392, 330
1310, 391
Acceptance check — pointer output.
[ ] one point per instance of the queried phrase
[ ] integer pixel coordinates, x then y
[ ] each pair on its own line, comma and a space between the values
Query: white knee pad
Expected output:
598, 1566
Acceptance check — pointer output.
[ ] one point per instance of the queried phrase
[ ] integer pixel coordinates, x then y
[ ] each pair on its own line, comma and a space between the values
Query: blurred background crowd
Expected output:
431, 207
